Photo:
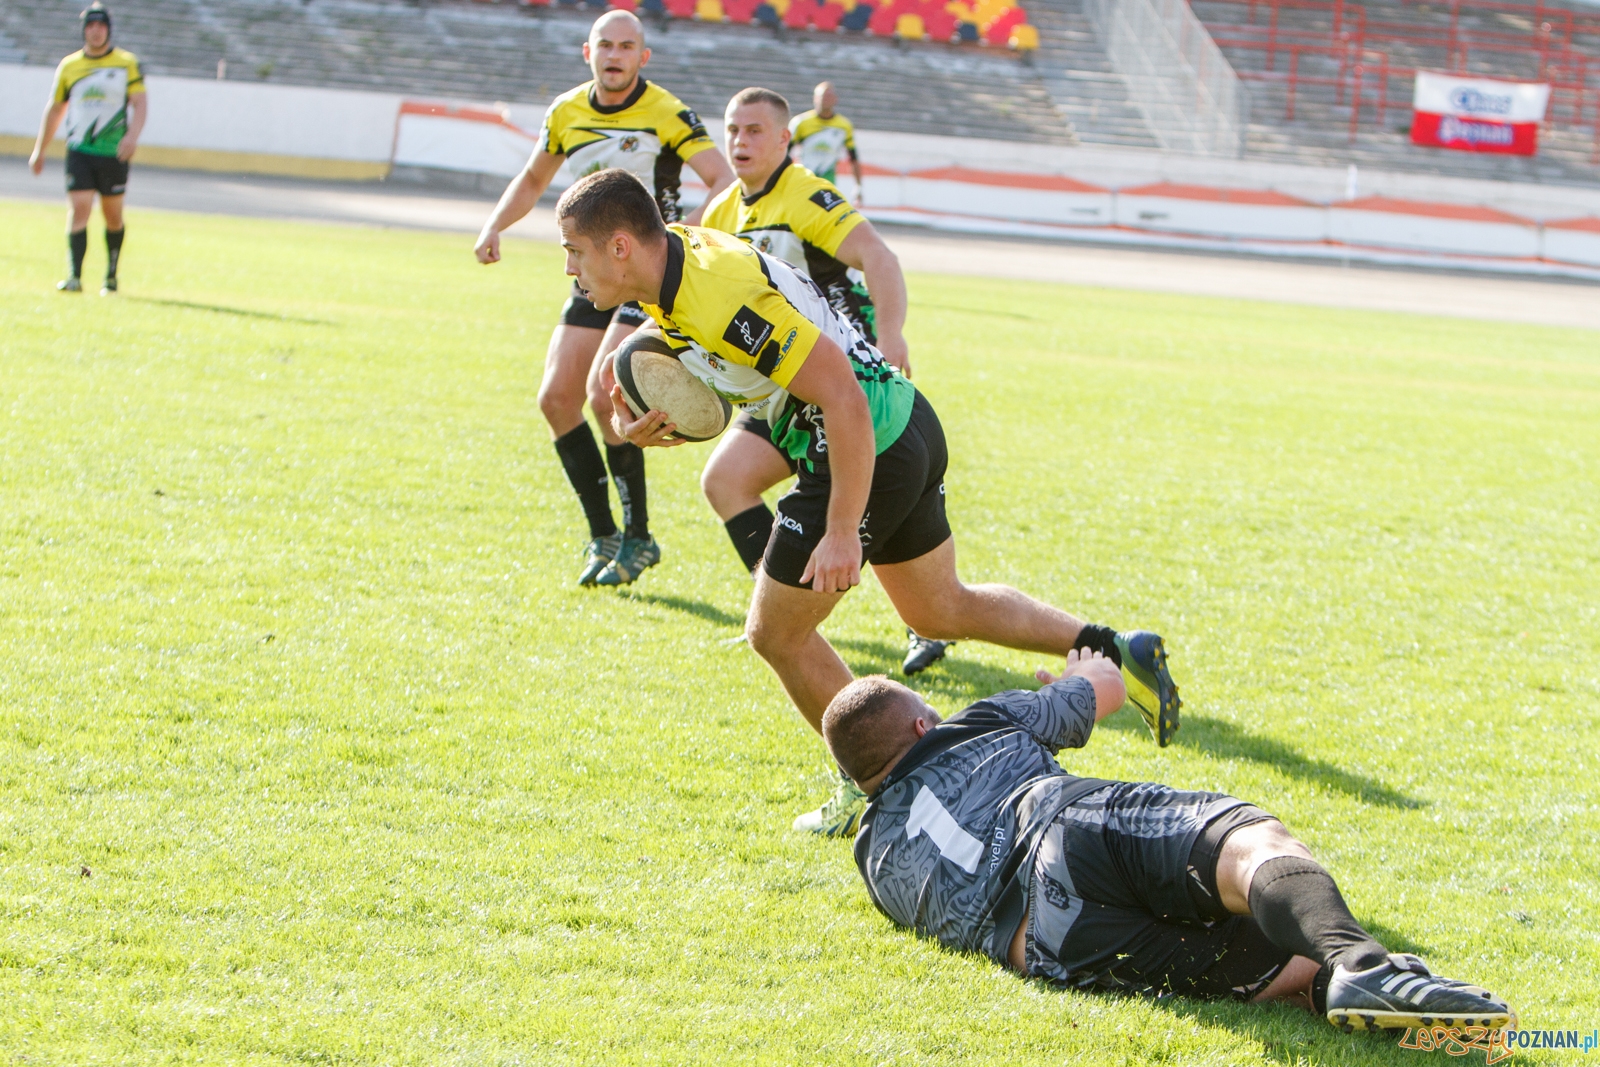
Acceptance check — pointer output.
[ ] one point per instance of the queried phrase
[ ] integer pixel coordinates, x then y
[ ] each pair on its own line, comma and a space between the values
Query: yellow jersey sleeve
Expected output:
819, 213
683, 132
135, 75
62, 86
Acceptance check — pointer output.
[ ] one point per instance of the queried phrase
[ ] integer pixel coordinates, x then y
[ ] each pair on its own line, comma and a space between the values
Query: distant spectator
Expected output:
822, 136
100, 90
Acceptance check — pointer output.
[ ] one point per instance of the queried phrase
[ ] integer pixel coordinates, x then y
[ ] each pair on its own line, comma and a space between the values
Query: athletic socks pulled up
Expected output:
580, 458
749, 531
1101, 639
113, 250
1299, 908
627, 471
78, 245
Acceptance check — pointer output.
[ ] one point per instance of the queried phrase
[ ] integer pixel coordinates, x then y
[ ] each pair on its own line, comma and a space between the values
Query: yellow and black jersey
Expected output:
745, 323
798, 217
96, 92
822, 142
652, 134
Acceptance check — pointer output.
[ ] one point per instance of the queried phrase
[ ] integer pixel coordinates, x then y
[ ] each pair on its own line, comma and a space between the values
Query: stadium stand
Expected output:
1331, 81
477, 52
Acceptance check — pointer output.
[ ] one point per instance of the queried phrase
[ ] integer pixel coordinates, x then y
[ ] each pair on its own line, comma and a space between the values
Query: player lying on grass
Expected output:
975, 836
618, 119
786, 211
869, 448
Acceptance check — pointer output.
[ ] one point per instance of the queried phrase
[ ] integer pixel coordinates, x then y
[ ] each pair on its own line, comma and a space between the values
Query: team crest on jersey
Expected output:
629, 144
748, 331
826, 199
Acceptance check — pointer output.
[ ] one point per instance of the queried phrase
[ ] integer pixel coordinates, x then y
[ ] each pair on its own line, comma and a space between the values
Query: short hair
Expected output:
611, 201
859, 725
627, 16
757, 95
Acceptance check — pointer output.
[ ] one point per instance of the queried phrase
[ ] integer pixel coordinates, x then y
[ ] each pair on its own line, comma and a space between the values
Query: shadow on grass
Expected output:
1292, 1035
221, 309
959, 681
697, 608
1225, 740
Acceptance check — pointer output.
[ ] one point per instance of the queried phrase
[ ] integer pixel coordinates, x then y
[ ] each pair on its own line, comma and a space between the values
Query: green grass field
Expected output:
311, 752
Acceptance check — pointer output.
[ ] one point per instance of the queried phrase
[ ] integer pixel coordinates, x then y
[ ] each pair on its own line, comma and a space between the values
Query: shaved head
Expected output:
607, 27
824, 99
870, 722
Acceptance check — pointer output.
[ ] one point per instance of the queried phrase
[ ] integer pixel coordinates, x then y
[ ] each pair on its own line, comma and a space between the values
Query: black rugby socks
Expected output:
627, 470
113, 250
749, 531
1101, 639
78, 243
1299, 908
580, 457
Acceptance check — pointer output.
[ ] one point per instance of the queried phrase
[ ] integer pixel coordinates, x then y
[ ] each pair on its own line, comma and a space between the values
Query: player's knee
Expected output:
599, 401
560, 405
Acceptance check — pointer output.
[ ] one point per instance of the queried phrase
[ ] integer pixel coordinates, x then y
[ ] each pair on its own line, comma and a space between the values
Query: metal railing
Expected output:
1177, 77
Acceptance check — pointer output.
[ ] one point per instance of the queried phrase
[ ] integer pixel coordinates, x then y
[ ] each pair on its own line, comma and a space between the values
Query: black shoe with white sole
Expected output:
1401, 992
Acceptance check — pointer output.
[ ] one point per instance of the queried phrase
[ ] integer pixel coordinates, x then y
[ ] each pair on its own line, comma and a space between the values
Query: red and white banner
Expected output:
1478, 114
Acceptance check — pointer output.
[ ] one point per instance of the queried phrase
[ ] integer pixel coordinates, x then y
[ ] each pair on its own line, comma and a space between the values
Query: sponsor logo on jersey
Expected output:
789, 524
748, 331
691, 120
788, 341
826, 199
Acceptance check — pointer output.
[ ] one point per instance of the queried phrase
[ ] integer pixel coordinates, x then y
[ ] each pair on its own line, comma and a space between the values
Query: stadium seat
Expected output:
856, 19
882, 23
999, 31
829, 16
937, 23
708, 10
909, 27
625, 5
798, 17
741, 11
967, 32
653, 7
680, 9
1024, 38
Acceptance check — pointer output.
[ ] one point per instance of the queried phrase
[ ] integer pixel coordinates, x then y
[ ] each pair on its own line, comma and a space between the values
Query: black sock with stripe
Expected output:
78, 245
627, 471
113, 250
580, 457
749, 531
1101, 639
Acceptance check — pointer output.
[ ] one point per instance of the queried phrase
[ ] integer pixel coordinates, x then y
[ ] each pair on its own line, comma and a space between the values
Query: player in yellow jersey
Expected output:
868, 447
616, 120
822, 137
786, 211
100, 91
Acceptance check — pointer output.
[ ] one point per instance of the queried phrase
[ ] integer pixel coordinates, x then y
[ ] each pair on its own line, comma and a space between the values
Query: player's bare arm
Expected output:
865, 251
139, 105
515, 203
715, 172
47, 131
827, 380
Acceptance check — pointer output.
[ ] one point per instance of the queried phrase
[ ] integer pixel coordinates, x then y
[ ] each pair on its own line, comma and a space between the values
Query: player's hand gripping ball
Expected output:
652, 378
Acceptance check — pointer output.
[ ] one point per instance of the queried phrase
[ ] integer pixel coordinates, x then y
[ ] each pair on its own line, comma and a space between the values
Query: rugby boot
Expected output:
110, 286
598, 556
1150, 687
1401, 992
632, 560
922, 653
69, 285
840, 816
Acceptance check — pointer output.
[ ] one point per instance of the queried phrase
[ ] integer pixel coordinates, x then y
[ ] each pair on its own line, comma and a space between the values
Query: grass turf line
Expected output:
291, 664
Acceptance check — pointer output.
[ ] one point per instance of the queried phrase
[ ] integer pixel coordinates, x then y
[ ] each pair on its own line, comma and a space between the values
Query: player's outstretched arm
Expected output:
827, 380
515, 203
713, 169
865, 251
1110, 693
47, 131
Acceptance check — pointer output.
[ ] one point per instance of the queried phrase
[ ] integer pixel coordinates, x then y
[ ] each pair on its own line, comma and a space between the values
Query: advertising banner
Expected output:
1478, 114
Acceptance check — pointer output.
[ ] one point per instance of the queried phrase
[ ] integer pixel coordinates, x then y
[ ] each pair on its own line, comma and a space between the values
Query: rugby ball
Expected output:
652, 378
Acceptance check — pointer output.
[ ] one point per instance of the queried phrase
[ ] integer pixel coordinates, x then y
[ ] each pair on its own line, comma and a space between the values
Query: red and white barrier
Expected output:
1412, 226
1250, 214
1573, 241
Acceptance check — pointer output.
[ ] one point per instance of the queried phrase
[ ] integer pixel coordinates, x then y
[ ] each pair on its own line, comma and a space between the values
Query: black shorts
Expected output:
1125, 897
578, 311
106, 175
905, 510
763, 429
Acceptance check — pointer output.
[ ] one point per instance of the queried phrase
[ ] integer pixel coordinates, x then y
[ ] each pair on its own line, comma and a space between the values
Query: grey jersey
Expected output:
944, 841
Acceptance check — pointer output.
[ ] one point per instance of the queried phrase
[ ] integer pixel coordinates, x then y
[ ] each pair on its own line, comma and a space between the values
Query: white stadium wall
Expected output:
1115, 196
